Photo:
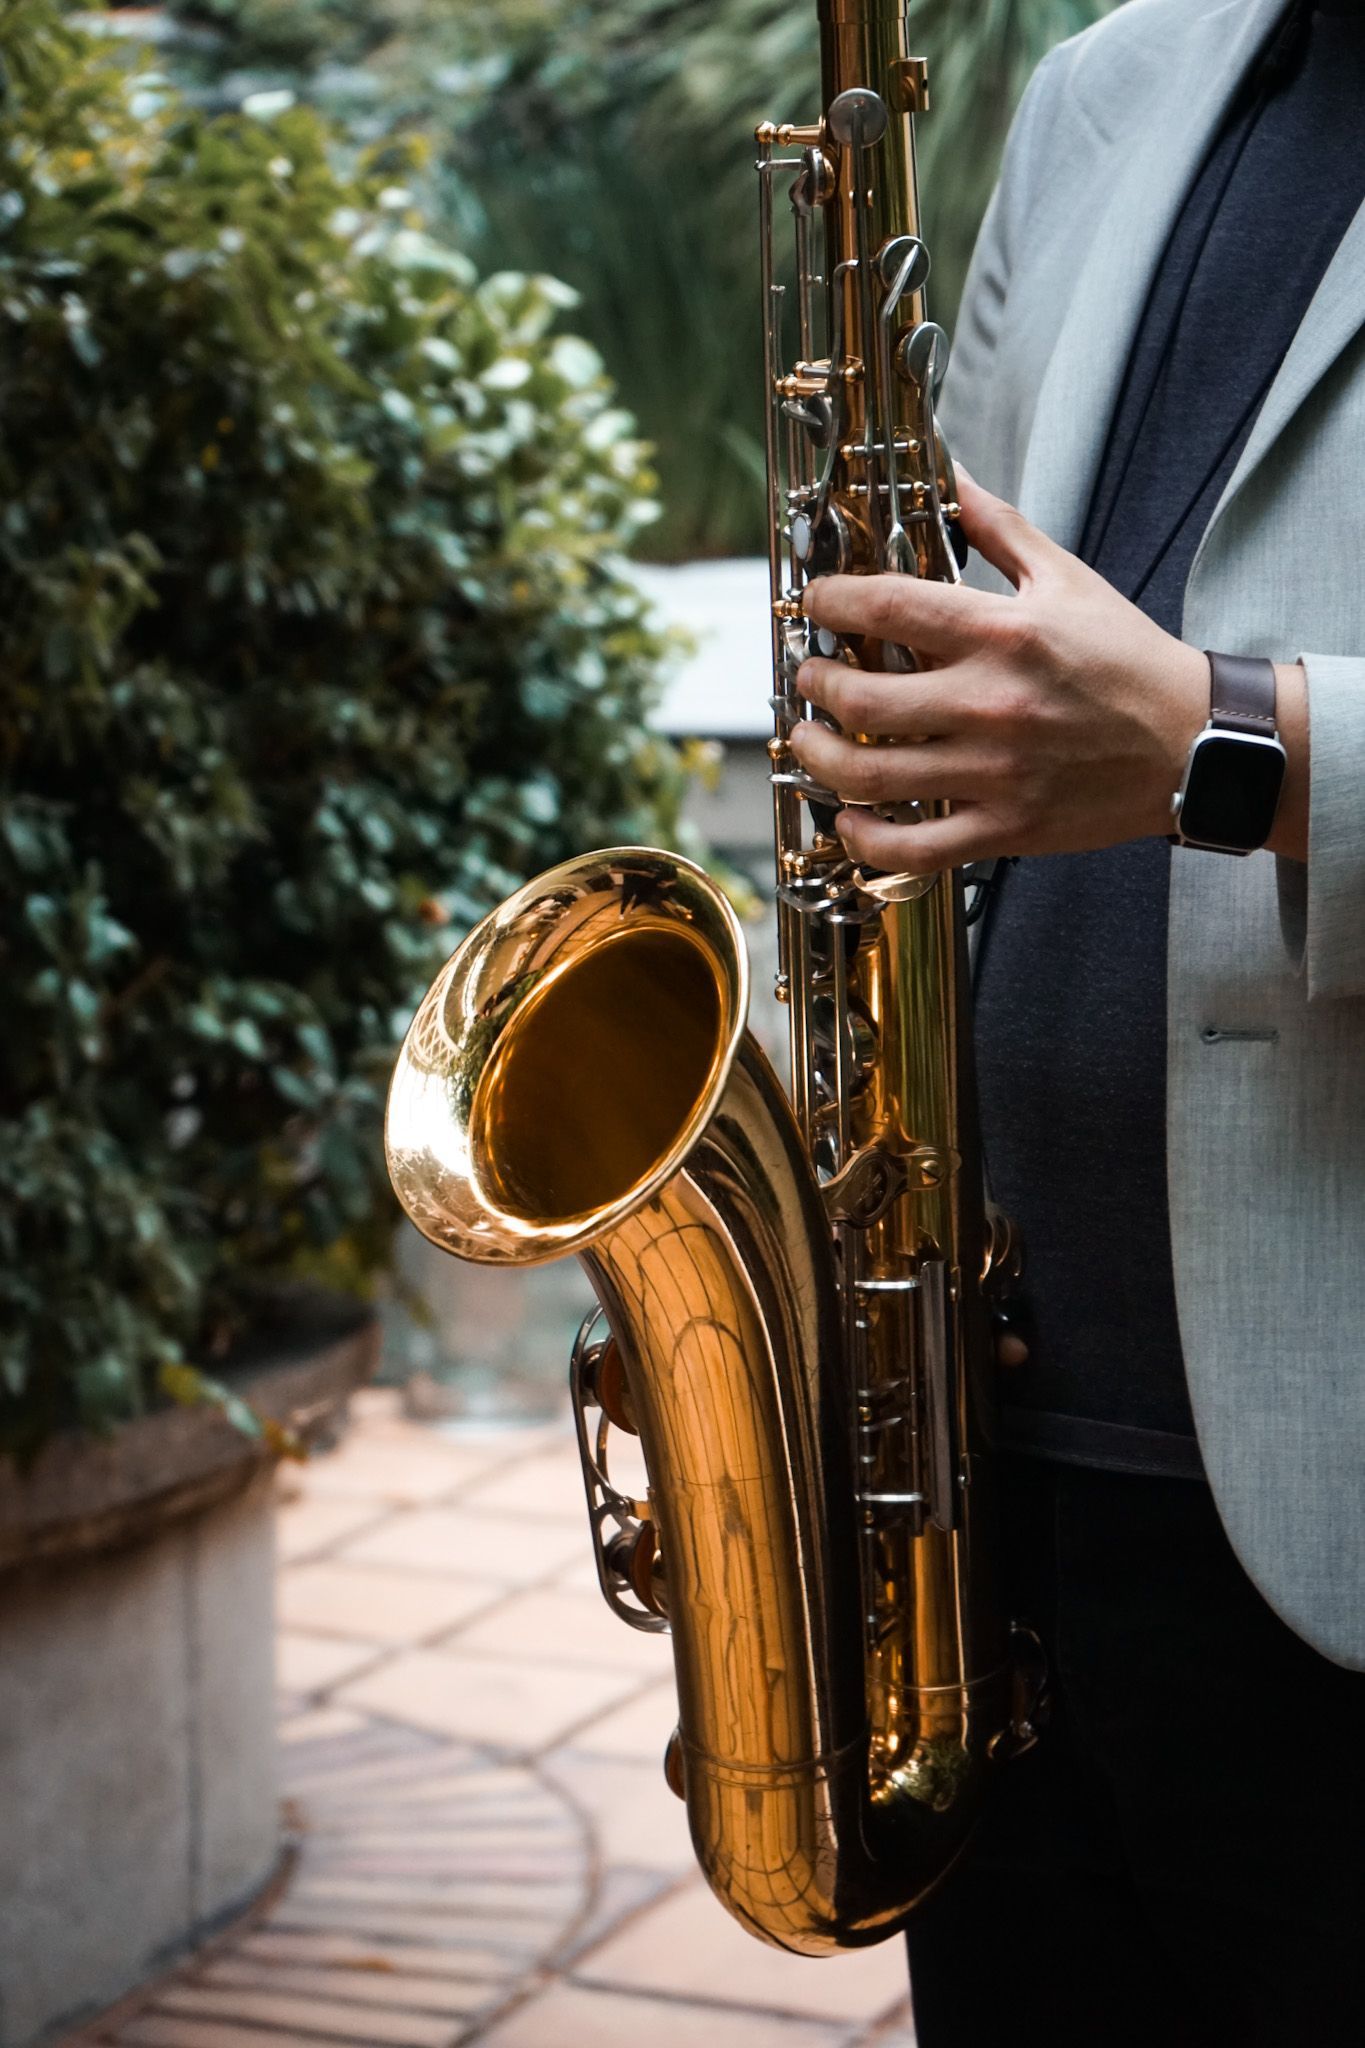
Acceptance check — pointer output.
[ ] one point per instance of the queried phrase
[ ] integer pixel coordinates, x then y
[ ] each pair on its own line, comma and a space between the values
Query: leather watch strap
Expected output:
1241, 693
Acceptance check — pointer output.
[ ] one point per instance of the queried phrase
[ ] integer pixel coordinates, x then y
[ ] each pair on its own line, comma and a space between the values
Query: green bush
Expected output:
610, 141
314, 639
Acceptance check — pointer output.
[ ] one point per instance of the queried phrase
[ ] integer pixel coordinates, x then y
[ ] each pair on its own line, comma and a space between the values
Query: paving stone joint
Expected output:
487, 1852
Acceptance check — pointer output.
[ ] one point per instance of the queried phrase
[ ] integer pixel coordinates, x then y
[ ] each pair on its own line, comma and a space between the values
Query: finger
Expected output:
972, 832
936, 618
1011, 1350
865, 774
916, 706
1000, 533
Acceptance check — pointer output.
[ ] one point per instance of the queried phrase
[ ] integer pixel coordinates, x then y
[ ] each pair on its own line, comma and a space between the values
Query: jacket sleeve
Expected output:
1322, 905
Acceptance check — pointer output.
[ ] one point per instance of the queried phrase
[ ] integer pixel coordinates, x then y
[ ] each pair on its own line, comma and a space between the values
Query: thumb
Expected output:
1000, 534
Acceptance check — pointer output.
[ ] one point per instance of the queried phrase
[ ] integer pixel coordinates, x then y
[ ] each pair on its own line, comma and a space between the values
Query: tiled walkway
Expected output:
487, 1850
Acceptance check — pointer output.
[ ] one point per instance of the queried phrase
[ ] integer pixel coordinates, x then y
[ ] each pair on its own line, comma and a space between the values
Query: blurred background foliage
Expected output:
315, 639
608, 142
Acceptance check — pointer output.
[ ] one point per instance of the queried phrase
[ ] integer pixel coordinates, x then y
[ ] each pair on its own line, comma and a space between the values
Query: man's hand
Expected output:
1054, 721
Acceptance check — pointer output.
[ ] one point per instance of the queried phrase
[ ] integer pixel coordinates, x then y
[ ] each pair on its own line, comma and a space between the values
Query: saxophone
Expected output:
794, 1315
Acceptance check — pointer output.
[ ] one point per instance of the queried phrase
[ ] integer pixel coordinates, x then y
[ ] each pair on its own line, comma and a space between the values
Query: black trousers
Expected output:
1181, 1860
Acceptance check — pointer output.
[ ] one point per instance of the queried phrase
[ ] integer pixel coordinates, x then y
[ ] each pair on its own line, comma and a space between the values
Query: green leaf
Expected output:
203, 1022
295, 1089
29, 841
245, 1034
317, 1044
43, 916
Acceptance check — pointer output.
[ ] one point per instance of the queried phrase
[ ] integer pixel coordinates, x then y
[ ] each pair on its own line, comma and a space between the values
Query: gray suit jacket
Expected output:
1266, 1081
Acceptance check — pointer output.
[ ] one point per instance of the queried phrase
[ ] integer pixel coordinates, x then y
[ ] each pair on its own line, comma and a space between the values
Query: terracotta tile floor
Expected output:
487, 1850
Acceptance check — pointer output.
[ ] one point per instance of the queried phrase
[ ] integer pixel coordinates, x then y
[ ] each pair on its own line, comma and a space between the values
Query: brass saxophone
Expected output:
795, 1295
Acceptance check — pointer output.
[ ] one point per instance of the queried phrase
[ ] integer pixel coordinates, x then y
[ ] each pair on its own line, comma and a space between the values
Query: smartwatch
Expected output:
1235, 772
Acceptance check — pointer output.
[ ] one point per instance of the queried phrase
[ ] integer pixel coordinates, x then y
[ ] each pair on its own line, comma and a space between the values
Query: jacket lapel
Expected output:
1334, 317
1080, 388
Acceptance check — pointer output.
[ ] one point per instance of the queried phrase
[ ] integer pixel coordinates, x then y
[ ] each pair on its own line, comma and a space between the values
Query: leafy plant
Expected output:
609, 142
314, 640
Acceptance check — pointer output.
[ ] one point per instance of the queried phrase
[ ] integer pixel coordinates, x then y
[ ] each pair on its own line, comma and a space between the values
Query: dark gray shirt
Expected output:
1071, 986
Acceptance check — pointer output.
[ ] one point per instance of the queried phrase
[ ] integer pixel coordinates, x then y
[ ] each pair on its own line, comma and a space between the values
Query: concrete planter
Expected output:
138, 1801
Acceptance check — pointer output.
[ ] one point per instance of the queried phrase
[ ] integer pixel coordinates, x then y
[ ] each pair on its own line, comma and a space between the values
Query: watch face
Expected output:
1232, 789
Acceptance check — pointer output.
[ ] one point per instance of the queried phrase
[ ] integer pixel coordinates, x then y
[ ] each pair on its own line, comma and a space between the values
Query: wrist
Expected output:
1187, 715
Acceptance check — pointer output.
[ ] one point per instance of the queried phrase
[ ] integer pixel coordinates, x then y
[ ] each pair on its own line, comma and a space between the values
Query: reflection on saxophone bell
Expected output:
795, 1293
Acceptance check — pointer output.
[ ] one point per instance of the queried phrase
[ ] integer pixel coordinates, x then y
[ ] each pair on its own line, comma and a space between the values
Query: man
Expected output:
1161, 360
